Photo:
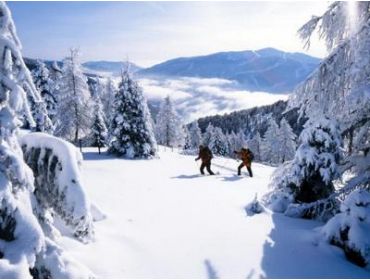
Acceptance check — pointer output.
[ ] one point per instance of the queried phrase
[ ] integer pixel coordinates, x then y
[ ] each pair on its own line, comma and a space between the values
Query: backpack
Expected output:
251, 155
209, 152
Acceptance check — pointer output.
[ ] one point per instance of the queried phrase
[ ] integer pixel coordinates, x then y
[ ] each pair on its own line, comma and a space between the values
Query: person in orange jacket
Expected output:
246, 156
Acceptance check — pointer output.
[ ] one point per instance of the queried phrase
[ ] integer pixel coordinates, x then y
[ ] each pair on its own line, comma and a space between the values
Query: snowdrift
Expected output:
58, 186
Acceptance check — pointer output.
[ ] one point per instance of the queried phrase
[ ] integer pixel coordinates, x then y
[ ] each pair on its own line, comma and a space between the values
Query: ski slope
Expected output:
166, 221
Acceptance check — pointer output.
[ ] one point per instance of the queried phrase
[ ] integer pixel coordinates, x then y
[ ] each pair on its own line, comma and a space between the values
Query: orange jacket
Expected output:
245, 156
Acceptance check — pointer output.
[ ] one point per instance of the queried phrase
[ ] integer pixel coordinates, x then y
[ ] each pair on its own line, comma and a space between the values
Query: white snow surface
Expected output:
164, 220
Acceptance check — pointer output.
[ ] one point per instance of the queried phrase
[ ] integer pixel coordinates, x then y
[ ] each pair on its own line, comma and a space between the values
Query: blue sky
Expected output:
151, 32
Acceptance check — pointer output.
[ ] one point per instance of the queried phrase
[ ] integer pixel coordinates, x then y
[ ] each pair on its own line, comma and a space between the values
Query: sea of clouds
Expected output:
200, 97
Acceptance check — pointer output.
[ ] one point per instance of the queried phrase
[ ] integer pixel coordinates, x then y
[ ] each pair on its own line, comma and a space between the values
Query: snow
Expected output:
164, 220
69, 199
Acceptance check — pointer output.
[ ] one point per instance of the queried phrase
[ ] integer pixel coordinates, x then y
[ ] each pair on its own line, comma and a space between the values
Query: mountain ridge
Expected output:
267, 69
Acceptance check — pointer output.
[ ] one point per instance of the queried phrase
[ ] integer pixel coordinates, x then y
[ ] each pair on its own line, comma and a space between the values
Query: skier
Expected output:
246, 156
206, 156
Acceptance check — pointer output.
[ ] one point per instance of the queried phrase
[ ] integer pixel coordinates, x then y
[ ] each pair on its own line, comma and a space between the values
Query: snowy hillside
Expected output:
166, 221
267, 69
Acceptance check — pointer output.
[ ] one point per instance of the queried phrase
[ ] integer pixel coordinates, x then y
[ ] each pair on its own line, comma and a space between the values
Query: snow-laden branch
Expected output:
58, 185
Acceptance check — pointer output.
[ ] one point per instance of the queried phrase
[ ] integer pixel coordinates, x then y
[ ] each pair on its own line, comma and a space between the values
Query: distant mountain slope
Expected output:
111, 67
255, 119
268, 70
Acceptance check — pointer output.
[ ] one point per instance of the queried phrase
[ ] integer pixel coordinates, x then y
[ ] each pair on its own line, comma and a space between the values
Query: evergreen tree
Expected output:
42, 122
26, 251
254, 144
99, 131
131, 132
108, 99
231, 142
40, 115
349, 229
208, 134
169, 129
74, 107
45, 86
193, 136
270, 148
240, 140
218, 143
341, 83
286, 141
309, 176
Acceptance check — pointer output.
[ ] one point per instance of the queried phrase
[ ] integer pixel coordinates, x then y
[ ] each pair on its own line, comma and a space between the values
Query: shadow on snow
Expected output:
211, 271
291, 251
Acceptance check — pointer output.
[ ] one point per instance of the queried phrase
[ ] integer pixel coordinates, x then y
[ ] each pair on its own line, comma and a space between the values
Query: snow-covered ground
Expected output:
166, 221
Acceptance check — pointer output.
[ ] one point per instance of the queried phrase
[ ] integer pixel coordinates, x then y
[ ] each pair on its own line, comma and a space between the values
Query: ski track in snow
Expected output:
166, 221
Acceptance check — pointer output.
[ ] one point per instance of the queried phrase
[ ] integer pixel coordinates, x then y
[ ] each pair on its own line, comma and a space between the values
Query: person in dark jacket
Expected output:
246, 156
206, 156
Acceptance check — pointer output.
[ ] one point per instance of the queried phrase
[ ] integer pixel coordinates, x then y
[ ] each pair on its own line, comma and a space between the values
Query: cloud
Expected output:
196, 97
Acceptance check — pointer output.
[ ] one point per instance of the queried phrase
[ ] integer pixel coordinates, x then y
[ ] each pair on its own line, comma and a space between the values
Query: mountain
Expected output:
268, 69
109, 67
255, 119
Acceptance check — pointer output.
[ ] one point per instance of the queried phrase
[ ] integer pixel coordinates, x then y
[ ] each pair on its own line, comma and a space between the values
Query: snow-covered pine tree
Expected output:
207, 135
270, 151
341, 83
45, 85
349, 229
42, 120
55, 72
231, 142
193, 137
169, 129
218, 143
99, 132
74, 110
131, 132
286, 141
108, 99
38, 108
254, 144
241, 141
309, 177
24, 246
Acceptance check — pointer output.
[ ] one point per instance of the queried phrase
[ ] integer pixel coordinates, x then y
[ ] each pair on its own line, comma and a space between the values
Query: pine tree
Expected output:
254, 144
309, 176
349, 229
45, 86
340, 88
99, 131
208, 134
108, 99
169, 129
40, 115
269, 148
193, 137
218, 143
286, 141
341, 83
240, 140
231, 142
131, 132
25, 247
38, 109
74, 107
